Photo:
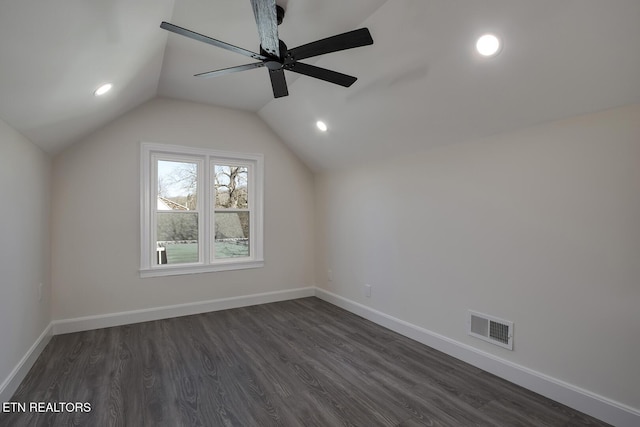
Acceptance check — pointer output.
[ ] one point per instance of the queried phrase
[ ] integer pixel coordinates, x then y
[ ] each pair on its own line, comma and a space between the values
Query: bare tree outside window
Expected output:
231, 187
232, 218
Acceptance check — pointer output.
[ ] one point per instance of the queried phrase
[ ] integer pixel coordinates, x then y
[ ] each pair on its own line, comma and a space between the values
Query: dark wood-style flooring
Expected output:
295, 363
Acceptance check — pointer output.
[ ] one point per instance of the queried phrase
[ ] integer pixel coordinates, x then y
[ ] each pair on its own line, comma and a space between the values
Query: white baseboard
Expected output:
582, 400
57, 327
157, 313
11, 383
597, 406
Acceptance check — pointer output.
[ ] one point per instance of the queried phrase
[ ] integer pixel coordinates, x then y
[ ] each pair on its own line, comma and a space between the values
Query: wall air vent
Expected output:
491, 329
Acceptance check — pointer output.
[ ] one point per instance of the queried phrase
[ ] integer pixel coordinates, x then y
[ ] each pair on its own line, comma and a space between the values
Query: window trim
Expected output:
150, 151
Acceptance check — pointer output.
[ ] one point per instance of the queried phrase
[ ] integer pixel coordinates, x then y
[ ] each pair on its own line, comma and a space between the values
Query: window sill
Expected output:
199, 268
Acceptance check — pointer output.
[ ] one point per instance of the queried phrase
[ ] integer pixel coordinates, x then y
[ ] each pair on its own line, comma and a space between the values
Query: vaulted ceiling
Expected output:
421, 84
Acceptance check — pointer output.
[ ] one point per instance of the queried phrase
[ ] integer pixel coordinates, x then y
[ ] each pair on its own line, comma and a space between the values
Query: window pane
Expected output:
177, 185
232, 234
177, 237
230, 184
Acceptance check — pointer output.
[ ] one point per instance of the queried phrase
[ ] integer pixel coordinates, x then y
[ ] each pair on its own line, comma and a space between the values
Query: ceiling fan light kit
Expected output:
274, 54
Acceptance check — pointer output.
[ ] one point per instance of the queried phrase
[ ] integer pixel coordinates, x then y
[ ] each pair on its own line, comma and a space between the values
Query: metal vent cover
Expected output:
491, 329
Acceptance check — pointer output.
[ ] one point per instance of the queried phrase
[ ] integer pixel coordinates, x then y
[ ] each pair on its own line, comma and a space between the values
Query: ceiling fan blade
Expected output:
349, 40
278, 83
267, 21
231, 70
197, 36
322, 74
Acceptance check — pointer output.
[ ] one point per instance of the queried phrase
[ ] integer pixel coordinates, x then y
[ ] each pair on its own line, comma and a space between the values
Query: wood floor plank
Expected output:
296, 363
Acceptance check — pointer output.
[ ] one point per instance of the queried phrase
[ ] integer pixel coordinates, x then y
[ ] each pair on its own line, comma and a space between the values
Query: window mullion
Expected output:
205, 212
211, 212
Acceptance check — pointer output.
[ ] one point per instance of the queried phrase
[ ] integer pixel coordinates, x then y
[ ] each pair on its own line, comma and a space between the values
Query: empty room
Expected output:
302, 213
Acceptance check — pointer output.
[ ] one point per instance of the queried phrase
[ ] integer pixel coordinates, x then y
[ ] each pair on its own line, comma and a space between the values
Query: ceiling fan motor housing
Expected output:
283, 52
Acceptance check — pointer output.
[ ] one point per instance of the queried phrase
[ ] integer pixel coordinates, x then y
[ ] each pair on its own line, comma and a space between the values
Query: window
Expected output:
201, 210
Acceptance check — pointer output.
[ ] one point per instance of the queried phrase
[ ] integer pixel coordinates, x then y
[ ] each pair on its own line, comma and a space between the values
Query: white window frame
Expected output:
206, 158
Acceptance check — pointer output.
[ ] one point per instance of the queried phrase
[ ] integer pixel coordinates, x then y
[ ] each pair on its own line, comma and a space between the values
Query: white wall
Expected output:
24, 246
541, 227
95, 213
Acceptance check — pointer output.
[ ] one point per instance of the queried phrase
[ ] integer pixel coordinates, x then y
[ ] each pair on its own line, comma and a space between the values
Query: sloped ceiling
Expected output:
421, 84
54, 54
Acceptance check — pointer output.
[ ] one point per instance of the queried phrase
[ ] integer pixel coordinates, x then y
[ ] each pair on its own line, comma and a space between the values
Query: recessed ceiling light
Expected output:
488, 45
103, 89
321, 125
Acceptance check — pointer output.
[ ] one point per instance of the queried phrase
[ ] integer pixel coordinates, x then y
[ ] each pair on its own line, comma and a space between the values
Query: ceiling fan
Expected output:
275, 55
